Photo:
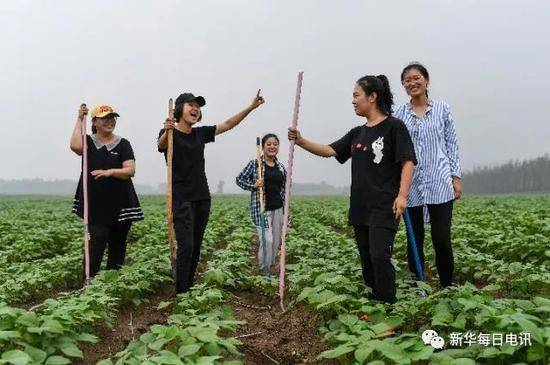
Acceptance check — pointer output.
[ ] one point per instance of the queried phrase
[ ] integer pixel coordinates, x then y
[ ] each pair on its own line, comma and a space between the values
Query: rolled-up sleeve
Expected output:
245, 180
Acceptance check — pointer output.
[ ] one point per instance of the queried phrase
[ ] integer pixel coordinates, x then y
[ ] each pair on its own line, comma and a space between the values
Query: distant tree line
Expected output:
530, 176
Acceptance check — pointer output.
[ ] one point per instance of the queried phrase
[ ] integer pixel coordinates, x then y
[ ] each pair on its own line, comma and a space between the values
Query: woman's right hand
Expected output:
170, 123
259, 183
82, 111
294, 135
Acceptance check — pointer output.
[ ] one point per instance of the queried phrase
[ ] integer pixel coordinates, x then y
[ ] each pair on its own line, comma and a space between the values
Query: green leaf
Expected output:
348, 319
380, 328
163, 305
28, 319
207, 360
203, 334
16, 357
71, 350
188, 350
8, 335
57, 360
52, 326
105, 362
362, 353
463, 361
87, 337
389, 350
37, 355
490, 352
213, 349
336, 352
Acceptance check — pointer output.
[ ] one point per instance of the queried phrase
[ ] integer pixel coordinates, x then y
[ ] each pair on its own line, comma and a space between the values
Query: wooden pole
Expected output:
169, 211
87, 278
288, 186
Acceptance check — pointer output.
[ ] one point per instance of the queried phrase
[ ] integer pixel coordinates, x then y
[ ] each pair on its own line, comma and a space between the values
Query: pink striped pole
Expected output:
85, 197
288, 185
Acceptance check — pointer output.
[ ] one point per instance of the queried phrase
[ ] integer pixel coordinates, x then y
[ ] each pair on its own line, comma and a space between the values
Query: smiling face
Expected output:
191, 112
271, 147
415, 83
105, 125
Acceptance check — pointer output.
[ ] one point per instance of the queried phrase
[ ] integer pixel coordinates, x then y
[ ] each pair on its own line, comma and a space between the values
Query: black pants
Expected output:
112, 235
440, 217
190, 220
375, 246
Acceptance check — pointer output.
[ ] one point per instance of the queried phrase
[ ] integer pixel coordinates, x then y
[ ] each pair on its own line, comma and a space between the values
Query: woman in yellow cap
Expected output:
113, 203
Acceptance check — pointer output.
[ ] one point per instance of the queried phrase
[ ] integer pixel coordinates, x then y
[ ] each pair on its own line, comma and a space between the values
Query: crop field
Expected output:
498, 312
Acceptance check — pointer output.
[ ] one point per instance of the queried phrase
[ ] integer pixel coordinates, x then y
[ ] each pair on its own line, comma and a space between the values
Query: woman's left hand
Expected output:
457, 186
258, 100
399, 206
98, 174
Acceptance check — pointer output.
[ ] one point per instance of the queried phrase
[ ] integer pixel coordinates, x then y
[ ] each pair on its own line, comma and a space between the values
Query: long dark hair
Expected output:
381, 86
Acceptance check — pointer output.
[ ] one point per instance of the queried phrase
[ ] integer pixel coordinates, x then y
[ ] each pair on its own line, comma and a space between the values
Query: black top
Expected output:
273, 181
110, 200
188, 176
376, 156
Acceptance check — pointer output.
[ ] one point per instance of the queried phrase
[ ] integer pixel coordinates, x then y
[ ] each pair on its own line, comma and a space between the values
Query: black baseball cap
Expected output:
187, 97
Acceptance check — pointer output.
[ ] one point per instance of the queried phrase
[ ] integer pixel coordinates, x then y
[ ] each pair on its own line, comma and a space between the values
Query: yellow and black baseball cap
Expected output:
102, 110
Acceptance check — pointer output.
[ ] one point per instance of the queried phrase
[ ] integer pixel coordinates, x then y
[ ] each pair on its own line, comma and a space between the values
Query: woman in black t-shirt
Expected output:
382, 162
274, 178
112, 201
190, 193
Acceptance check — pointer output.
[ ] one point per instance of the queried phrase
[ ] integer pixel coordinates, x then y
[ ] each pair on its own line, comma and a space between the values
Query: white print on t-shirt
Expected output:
377, 147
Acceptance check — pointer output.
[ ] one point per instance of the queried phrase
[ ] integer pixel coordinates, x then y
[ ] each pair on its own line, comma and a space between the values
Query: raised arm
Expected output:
237, 118
76, 137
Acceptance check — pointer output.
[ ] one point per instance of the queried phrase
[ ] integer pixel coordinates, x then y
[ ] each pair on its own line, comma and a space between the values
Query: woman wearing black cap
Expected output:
190, 193
113, 203
382, 164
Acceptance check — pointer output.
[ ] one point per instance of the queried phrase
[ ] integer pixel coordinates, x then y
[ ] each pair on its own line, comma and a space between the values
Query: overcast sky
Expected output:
488, 59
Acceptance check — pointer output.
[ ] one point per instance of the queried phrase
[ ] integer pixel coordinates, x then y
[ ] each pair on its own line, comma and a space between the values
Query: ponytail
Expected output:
381, 86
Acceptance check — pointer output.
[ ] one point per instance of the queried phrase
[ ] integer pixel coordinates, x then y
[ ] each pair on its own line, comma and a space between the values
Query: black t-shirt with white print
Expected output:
189, 181
376, 155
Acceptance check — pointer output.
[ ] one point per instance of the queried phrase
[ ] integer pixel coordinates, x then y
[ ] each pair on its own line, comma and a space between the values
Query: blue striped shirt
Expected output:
436, 146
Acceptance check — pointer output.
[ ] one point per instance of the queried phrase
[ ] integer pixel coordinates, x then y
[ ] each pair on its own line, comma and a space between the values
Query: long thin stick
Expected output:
288, 186
263, 241
169, 212
414, 246
85, 198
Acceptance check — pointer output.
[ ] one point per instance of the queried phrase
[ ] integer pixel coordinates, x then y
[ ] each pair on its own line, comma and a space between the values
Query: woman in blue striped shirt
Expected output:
436, 181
